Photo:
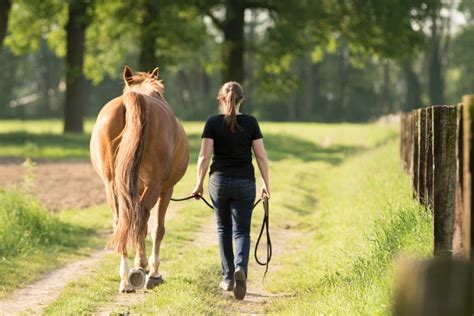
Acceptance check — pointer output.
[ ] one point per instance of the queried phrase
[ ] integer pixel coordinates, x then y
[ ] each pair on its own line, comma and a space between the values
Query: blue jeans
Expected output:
233, 200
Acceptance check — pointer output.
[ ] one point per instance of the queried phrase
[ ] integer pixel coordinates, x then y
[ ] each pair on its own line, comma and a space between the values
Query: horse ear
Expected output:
127, 75
155, 73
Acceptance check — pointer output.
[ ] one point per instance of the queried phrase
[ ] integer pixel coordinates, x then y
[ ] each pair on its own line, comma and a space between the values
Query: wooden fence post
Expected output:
408, 153
429, 158
435, 287
414, 151
403, 140
421, 154
458, 214
444, 177
468, 166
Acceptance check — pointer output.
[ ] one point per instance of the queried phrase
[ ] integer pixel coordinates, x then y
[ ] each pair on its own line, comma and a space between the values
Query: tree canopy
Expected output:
300, 60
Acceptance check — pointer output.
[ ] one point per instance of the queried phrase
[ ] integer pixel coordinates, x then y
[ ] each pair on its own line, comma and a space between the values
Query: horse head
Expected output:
143, 82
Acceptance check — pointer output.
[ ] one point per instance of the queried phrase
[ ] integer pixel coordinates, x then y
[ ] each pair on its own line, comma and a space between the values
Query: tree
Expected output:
461, 74
438, 37
5, 6
412, 86
232, 27
76, 89
149, 30
63, 25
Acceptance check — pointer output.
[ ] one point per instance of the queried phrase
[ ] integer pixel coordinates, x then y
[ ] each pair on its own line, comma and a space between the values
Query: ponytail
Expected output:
232, 96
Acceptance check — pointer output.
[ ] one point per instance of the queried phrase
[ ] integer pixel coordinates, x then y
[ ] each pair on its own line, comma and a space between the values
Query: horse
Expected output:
140, 151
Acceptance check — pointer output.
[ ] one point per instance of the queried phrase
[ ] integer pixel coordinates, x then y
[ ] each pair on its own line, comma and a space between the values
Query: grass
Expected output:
338, 188
34, 241
363, 221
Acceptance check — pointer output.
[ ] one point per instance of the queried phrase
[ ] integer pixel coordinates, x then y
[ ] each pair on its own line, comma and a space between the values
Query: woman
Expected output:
231, 136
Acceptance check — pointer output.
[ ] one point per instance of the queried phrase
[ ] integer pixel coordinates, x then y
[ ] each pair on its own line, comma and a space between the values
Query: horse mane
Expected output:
145, 78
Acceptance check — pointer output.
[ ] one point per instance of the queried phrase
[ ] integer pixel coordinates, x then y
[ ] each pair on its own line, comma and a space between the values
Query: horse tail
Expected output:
133, 217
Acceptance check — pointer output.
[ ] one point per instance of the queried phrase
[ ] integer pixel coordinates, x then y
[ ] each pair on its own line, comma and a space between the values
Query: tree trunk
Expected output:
311, 89
292, 108
386, 96
233, 50
436, 80
5, 6
76, 87
343, 74
413, 87
149, 32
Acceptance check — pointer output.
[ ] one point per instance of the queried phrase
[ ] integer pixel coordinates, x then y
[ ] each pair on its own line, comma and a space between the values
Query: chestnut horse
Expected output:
140, 150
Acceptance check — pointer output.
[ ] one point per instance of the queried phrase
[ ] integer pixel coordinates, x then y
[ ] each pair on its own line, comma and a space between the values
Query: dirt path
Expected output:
52, 182
257, 296
35, 297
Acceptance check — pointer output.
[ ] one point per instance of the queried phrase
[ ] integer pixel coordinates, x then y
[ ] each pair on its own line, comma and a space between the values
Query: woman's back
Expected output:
232, 150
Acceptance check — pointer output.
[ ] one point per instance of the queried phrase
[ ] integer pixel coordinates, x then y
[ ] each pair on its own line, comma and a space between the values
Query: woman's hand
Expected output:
265, 192
198, 191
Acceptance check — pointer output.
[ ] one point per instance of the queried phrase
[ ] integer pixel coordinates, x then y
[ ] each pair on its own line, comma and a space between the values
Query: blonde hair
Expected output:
230, 96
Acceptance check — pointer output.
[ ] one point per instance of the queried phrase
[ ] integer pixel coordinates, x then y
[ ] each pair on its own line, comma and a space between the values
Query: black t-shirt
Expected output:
232, 151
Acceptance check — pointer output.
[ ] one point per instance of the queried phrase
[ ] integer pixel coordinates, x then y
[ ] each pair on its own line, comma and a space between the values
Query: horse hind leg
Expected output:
125, 286
141, 261
154, 278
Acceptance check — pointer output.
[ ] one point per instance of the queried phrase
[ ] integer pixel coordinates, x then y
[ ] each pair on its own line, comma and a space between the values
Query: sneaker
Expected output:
226, 285
240, 288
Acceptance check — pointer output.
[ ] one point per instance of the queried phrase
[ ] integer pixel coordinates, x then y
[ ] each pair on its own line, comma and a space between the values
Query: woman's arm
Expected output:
262, 162
204, 158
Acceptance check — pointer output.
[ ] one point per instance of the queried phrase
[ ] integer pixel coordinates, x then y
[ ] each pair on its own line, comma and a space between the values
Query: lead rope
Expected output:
265, 226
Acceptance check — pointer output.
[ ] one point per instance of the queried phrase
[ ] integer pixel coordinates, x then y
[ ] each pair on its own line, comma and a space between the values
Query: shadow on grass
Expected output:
46, 145
283, 146
278, 146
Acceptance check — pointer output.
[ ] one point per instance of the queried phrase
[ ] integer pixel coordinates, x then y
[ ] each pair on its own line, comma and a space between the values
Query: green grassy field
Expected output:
34, 241
337, 188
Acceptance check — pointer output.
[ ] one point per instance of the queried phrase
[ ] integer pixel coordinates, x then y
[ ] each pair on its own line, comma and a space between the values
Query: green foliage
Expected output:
383, 27
344, 44
31, 21
462, 72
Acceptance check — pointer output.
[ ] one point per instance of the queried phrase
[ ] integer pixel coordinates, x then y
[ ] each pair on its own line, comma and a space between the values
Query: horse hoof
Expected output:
151, 282
136, 278
125, 288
